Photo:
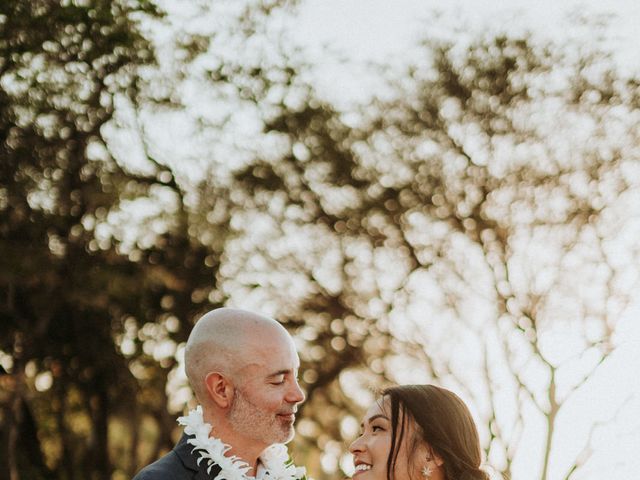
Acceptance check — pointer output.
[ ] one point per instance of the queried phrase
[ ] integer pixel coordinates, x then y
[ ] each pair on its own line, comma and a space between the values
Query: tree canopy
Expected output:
451, 231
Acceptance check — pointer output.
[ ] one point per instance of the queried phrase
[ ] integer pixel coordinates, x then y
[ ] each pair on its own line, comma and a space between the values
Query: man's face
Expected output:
267, 393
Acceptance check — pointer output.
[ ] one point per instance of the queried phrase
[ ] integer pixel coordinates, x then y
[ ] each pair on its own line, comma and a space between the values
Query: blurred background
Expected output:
419, 191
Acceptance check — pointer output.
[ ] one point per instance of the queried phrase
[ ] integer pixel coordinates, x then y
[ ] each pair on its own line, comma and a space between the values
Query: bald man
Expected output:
243, 370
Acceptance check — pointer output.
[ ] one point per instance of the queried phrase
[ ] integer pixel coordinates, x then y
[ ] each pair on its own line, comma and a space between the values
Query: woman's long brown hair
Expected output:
443, 421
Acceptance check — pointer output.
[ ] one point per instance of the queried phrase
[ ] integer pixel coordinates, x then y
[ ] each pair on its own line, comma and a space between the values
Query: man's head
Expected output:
243, 368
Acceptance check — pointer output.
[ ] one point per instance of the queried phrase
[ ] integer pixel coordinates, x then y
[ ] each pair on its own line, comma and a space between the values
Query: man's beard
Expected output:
253, 422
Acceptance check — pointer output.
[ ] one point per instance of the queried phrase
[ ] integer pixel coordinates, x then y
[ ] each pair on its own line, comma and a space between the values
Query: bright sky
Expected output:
375, 29
384, 31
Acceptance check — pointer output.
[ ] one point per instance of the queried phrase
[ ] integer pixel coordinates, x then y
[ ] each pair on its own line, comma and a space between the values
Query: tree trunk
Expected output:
135, 440
67, 464
100, 413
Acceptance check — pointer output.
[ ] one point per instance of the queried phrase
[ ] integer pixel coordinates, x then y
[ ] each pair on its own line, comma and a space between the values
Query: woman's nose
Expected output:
356, 445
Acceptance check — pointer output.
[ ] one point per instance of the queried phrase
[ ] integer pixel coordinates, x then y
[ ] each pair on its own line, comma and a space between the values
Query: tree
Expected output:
478, 208
376, 235
70, 289
96, 297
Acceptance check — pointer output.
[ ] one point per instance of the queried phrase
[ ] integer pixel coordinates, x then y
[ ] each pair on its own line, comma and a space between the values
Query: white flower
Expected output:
212, 450
276, 461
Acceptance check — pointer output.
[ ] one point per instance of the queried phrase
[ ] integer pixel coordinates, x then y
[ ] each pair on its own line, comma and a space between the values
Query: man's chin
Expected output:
290, 436
286, 435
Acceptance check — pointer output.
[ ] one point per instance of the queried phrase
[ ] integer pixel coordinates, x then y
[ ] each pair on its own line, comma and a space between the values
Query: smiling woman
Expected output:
418, 431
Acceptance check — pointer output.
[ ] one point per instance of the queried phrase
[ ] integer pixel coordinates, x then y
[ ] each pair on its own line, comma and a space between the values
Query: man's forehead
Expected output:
270, 344
266, 361
273, 363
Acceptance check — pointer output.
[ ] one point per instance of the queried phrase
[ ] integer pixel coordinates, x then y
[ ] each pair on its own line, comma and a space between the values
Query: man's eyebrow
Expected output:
279, 372
375, 417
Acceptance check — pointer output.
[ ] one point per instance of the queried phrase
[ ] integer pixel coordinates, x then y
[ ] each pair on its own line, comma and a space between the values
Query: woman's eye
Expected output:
377, 428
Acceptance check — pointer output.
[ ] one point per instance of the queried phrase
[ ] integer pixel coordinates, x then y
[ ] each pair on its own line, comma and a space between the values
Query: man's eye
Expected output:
278, 381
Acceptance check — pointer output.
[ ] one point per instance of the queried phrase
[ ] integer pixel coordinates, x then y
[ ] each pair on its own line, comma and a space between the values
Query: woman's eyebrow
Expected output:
375, 417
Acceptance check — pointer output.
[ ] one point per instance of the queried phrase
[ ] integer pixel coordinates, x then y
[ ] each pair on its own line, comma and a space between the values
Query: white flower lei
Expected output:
274, 459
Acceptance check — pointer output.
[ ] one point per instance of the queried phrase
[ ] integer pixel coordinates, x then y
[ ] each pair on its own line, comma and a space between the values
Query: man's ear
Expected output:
219, 388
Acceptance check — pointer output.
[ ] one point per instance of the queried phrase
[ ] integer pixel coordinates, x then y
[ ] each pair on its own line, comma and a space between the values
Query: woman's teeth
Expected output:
362, 467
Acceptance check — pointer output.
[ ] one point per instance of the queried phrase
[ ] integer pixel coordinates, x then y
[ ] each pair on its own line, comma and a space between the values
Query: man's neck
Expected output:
251, 457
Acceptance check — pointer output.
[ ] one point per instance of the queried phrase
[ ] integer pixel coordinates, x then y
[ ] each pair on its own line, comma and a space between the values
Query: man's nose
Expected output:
296, 395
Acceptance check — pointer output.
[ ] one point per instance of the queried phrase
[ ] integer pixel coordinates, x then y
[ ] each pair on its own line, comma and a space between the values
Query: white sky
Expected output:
385, 31
375, 29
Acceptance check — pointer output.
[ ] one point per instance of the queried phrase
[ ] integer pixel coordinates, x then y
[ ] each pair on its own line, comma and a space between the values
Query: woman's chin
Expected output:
364, 475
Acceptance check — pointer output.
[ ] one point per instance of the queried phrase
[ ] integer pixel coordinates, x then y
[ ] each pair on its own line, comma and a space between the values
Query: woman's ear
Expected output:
434, 457
219, 388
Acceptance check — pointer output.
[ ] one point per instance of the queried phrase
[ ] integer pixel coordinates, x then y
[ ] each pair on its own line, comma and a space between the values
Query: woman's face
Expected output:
371, 449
